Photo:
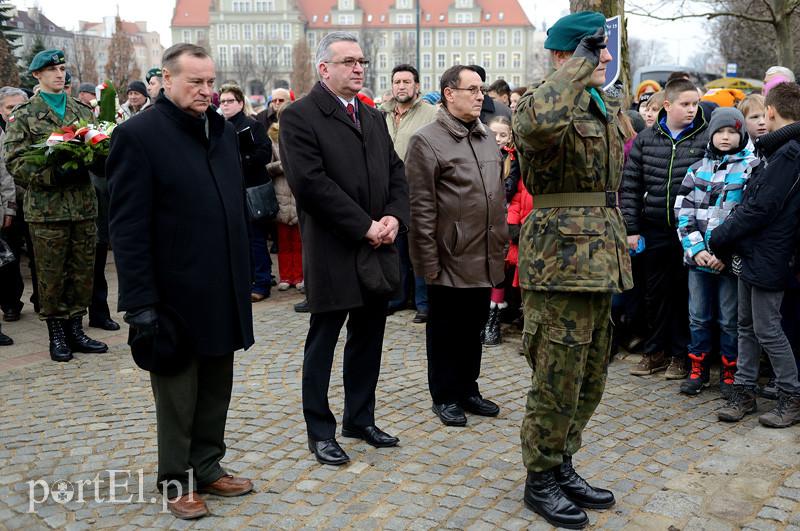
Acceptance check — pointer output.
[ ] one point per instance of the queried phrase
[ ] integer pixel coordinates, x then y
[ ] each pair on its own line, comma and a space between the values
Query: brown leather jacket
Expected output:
458, 231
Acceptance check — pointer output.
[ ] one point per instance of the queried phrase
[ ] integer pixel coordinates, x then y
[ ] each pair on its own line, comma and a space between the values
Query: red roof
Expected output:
191, 13
512, 13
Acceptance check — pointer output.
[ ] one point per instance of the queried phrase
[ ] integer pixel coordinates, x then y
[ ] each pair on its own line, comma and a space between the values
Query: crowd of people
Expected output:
556, 209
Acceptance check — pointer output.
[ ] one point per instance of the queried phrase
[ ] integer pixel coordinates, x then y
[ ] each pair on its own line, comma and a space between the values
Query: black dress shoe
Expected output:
302, 307
11, 315
5, 340
478, 405
421, 317
450, 414
579, 491
544, 497
78, 341
372, 435
105, 323
328, 452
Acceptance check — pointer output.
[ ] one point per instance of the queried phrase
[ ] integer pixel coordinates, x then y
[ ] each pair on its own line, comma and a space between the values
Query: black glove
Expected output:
64, 176
145, 320
590, 47
98, 166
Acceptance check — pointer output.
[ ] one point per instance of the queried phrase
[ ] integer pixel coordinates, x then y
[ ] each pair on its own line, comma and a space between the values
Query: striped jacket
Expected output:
710, 191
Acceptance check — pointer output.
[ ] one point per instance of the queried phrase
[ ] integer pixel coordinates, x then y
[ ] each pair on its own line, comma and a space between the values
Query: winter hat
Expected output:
728, 117
644, 85
568, 31
137, 86
86, 87
724, 97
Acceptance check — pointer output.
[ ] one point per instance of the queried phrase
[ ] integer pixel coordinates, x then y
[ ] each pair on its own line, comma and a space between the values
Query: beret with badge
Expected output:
153, 72
46, 58
568, 31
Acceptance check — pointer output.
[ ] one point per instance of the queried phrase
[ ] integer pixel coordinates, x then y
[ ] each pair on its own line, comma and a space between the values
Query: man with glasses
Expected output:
572, 258
457, 240
352, 200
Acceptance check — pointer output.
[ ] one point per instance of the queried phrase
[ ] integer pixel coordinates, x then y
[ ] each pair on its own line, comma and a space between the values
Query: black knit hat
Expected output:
137, 86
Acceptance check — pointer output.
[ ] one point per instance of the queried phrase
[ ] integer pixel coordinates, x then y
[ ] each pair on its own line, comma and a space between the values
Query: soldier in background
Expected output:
60, 207
572, 258
154, 82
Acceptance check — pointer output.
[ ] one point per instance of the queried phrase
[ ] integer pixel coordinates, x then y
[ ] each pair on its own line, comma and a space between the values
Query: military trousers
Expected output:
64, 252
191, 412
567, 342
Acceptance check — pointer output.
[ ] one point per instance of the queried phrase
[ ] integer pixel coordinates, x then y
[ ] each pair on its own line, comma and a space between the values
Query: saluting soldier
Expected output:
60, 207
572, 259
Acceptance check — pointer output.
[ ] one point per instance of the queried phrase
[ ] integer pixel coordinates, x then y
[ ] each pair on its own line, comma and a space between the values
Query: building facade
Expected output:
31, 25
258, 35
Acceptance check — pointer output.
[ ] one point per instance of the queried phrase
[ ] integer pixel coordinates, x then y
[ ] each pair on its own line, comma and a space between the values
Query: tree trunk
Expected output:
783, 30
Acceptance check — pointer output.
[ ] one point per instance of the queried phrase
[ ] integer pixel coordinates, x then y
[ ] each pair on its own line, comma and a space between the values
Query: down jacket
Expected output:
287, 207
653, 175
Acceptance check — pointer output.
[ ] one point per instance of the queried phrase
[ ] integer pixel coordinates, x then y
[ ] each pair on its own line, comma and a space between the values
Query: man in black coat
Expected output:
352, 199
179, 236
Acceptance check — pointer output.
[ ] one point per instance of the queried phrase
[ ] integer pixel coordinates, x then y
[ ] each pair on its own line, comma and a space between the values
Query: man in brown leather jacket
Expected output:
457, 240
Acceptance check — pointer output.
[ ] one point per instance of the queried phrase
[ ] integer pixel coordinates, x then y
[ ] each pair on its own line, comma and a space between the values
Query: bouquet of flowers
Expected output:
73, 148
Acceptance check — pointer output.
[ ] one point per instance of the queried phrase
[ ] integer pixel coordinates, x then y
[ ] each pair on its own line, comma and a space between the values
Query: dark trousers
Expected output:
260, 260
98, 309
666, 297
191, 411
11, 284
455, 319
362, 363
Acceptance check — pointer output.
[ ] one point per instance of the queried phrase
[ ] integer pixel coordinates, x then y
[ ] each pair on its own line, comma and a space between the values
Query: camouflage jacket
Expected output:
46, 200
567, 145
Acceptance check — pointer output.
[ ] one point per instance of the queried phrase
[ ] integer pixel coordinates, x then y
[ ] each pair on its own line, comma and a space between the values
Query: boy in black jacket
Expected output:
762, 232
652, 177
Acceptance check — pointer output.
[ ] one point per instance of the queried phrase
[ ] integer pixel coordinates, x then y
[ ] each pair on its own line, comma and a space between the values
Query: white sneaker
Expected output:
301, 287
283, 286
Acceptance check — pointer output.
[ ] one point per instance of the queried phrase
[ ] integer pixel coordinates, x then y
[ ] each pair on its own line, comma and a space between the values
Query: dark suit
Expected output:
343, 176
179, 234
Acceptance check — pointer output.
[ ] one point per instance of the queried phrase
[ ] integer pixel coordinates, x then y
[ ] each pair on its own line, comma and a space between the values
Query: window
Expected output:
287, 32
311, 37
411, 39
501, 59
441, 38
456, 58
516, 80
501, 15
287, 56
273, 55
487, 61
345, 5
347, 19
236, 56
472, 59
383, 82
222, 55
403, 4
187, 35
441, 60
384, 39
426, 38
501, 37
221, 33
463, 18
382, 62
487, 37
273, 32
463, 4
270, 5
426, 83
471, 37
261, 32
404, 18
247, 31
234, 31
516, 38
426, 61
261, 6
455, 38
397, 39
516, 60
261, 55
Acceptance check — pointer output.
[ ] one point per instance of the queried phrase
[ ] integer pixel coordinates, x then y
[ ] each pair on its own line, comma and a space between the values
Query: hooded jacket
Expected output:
712, 188
653, 175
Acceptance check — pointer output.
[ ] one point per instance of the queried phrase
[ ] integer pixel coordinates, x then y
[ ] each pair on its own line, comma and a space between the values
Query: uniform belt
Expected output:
576, 199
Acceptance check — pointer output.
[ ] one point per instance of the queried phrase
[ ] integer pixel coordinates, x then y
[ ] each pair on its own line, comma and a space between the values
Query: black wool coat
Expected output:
342, 179
256, 157
178, 224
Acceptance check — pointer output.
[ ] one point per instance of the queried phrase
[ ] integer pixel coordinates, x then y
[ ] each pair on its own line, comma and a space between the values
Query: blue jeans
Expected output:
260, 261
420, 294
711, 294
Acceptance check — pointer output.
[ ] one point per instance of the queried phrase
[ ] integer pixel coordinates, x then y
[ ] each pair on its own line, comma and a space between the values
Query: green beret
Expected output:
46, 58
153, 72
567, 32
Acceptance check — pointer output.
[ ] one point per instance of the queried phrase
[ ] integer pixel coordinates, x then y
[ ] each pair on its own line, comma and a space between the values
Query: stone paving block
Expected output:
673, 504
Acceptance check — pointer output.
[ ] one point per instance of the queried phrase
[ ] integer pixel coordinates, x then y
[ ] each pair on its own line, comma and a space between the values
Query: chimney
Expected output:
33, 14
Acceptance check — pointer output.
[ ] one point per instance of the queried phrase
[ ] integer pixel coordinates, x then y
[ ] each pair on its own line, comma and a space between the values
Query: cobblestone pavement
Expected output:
670, 463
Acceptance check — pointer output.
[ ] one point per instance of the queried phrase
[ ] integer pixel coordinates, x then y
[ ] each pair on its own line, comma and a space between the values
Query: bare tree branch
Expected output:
707, 15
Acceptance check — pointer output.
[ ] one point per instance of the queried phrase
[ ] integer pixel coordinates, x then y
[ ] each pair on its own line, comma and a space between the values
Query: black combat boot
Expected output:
59, 350
544, 497
79, 341
579, 491
491, 332
5, 340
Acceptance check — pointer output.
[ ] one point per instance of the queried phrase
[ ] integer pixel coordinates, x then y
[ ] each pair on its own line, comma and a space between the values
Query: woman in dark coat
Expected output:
256, 152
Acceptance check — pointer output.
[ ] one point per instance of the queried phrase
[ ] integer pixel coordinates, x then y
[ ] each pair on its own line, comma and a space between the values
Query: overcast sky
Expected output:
684, 37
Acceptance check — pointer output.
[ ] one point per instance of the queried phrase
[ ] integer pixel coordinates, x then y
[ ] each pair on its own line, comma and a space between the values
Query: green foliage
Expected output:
28, 81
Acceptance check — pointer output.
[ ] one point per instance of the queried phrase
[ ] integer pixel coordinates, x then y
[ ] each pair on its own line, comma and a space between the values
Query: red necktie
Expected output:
351, 112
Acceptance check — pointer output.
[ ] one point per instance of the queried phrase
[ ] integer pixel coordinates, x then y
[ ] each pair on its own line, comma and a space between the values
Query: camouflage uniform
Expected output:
61, 216
571, 258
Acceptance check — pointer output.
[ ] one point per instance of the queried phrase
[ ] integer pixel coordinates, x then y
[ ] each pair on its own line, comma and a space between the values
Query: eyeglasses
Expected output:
472, 90
226, 101
351, 63
279, 100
